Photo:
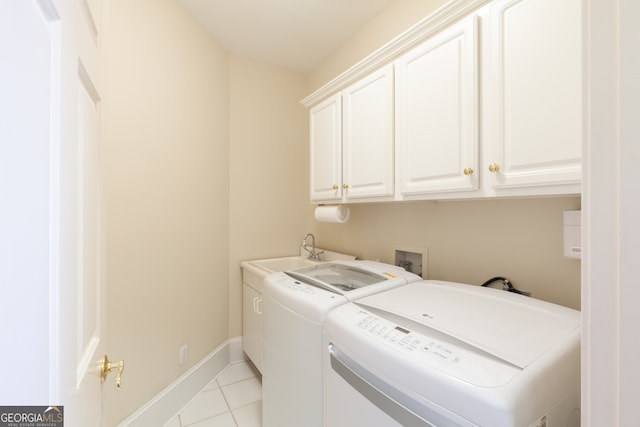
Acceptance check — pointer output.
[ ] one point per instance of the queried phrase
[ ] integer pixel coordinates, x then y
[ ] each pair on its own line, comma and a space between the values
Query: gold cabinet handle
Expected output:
106, 367
493, 167
345, 186
468, 171
335, 186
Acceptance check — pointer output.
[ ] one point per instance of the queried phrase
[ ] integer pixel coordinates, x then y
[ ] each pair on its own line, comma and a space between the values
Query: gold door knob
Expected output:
493, 167
468, 171
335, 186
345, 186
106, 367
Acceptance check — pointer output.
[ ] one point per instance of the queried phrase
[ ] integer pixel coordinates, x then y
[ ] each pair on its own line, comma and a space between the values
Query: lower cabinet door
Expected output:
252, 324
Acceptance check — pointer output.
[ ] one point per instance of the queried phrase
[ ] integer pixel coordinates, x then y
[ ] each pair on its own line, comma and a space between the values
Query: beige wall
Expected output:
207, 162
165, 141
391, 22
269, 208
470, 241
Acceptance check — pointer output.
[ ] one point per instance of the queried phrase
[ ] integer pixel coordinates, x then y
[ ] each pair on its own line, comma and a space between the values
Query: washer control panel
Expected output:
305, 289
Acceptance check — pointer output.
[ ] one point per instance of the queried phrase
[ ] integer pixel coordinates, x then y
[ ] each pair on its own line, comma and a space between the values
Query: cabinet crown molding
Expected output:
436, 21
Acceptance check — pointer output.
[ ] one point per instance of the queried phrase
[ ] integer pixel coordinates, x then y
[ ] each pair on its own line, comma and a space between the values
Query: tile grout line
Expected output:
224, 396
226, 401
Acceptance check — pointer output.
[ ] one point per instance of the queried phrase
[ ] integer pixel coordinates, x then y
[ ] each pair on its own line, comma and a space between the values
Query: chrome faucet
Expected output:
313, 254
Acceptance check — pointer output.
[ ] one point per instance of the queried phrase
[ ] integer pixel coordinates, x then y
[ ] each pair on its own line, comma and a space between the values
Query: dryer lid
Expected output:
512, 327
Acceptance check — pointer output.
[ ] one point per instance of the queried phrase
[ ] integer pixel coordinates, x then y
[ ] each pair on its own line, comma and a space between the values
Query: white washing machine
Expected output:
294, 306
447, 354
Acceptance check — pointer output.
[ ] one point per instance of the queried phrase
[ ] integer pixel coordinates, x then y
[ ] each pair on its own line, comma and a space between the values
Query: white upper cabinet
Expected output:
352, 142
532, 102
367, 136
478, 100
326, 149
437, 113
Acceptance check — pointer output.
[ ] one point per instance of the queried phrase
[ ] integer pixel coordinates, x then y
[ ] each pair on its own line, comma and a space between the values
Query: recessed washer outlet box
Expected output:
413, 259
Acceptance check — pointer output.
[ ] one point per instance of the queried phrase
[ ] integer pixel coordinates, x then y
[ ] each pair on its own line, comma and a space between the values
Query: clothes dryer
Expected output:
295, 305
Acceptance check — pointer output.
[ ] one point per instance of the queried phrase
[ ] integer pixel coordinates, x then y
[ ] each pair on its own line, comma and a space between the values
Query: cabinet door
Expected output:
437, 113
252, 324
326, 149
367, 136
533, 94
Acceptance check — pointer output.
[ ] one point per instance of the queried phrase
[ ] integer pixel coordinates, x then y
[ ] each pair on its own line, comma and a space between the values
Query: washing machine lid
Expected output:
514, 328
339, 277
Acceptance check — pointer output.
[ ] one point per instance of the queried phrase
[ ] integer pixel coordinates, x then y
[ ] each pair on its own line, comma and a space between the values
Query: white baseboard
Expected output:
235, 350
166, 404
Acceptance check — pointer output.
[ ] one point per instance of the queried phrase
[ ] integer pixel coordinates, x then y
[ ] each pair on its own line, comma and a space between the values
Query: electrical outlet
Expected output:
182, 355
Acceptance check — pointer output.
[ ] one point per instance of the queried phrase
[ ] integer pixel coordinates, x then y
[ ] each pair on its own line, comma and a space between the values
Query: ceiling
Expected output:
294, 34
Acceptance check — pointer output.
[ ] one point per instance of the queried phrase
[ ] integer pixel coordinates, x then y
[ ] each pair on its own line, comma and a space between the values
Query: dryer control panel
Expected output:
428, 347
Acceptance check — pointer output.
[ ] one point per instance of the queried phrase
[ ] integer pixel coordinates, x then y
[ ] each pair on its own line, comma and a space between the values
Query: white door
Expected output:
367, 136
51, 261
252, 324
437, 113
82, 301
325, 121
533, 93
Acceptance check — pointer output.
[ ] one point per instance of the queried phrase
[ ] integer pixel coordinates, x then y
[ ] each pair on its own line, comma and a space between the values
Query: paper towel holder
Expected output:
332, 213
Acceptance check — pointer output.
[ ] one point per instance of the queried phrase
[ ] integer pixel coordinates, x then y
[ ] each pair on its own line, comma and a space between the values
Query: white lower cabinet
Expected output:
252, 317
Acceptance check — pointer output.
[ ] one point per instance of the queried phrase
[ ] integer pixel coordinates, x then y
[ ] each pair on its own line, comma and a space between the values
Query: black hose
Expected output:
506, 285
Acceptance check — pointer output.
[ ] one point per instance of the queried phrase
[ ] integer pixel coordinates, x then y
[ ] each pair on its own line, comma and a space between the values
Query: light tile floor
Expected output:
232, 399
